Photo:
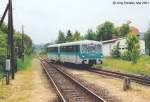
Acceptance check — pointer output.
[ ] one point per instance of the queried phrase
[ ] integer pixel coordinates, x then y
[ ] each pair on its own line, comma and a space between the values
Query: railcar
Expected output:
86, 52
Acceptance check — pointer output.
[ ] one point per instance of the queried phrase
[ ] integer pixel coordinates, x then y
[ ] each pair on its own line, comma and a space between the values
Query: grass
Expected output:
0, 75
18, 86
30, 85
1, 72
18, 90
21, 65
141, 67
24, 65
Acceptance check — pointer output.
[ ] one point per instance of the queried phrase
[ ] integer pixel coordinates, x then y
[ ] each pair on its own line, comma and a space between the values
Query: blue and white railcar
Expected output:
80, 52
53, 52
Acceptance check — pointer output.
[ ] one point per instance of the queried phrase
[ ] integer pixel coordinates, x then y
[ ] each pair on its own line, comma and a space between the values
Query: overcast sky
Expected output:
44, 18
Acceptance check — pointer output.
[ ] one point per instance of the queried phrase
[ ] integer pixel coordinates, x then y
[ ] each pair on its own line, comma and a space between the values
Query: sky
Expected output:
42, 19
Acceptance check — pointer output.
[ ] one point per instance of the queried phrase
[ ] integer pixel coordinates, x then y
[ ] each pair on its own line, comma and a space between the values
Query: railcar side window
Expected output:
53, 49
77, 48
70, 48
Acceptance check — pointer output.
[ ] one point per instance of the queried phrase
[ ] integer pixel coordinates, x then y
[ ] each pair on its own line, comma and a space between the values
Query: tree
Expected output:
3, 28
28, 45
105, 31
115, 52
133, 46
124, 30
61, 37
90, 35
2, 49
17, 44
69, 36
116, 32
147, 41
76, 36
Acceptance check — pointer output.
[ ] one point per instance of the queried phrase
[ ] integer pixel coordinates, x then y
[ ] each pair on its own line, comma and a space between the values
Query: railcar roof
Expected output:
76, 43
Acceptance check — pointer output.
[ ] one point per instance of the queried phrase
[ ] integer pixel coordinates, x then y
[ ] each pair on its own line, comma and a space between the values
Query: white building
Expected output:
110, 44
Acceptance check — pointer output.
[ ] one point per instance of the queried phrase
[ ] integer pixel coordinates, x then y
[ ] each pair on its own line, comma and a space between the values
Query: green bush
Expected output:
115, 52
24, 65
1, 72
125, 56
133, 46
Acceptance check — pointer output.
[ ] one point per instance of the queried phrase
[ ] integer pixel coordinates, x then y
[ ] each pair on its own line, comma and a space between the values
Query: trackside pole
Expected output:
7, 71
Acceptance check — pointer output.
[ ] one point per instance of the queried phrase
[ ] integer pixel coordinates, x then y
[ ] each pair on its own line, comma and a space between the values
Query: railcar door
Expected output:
76, 53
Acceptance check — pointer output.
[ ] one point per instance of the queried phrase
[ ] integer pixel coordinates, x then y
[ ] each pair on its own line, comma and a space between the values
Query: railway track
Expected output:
69, 89
138, 79
144, 80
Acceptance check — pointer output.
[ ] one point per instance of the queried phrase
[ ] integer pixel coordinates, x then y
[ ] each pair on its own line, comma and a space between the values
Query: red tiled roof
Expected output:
134, 30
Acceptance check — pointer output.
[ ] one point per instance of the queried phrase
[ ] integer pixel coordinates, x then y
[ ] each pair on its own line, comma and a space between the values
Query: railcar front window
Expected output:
91, 48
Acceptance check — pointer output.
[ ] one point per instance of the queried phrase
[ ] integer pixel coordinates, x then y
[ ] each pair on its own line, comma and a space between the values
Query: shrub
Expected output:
132, 48
115, 52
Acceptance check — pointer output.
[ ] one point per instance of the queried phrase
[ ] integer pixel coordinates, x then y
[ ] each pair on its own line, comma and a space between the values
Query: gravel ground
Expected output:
30, 85
137, 93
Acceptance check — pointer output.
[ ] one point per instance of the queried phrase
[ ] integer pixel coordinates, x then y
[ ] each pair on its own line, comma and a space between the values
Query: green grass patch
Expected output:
0, 75
24, 65
141, 67
1, 72
21, 65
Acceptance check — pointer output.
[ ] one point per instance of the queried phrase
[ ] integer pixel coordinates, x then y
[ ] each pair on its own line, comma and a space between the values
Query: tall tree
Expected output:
124, 30
28, 44
17, 44
2, 48
90, 35
147, 41
116, 32
3, 45
105, 31
76, 36
61, 37
3, 28
69, 36
133, 46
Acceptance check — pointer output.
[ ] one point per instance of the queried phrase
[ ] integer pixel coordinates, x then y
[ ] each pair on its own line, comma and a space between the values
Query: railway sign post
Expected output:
7, 70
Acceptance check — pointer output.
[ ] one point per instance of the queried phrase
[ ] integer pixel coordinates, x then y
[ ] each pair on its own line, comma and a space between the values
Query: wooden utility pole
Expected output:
11, 39
10, 62
3, 17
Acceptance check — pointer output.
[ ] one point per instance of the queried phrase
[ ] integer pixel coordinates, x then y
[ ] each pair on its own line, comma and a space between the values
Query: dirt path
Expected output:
30, 85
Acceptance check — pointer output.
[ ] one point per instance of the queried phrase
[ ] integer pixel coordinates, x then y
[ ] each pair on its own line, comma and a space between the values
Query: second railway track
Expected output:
138, 79
143, 80
69, 89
